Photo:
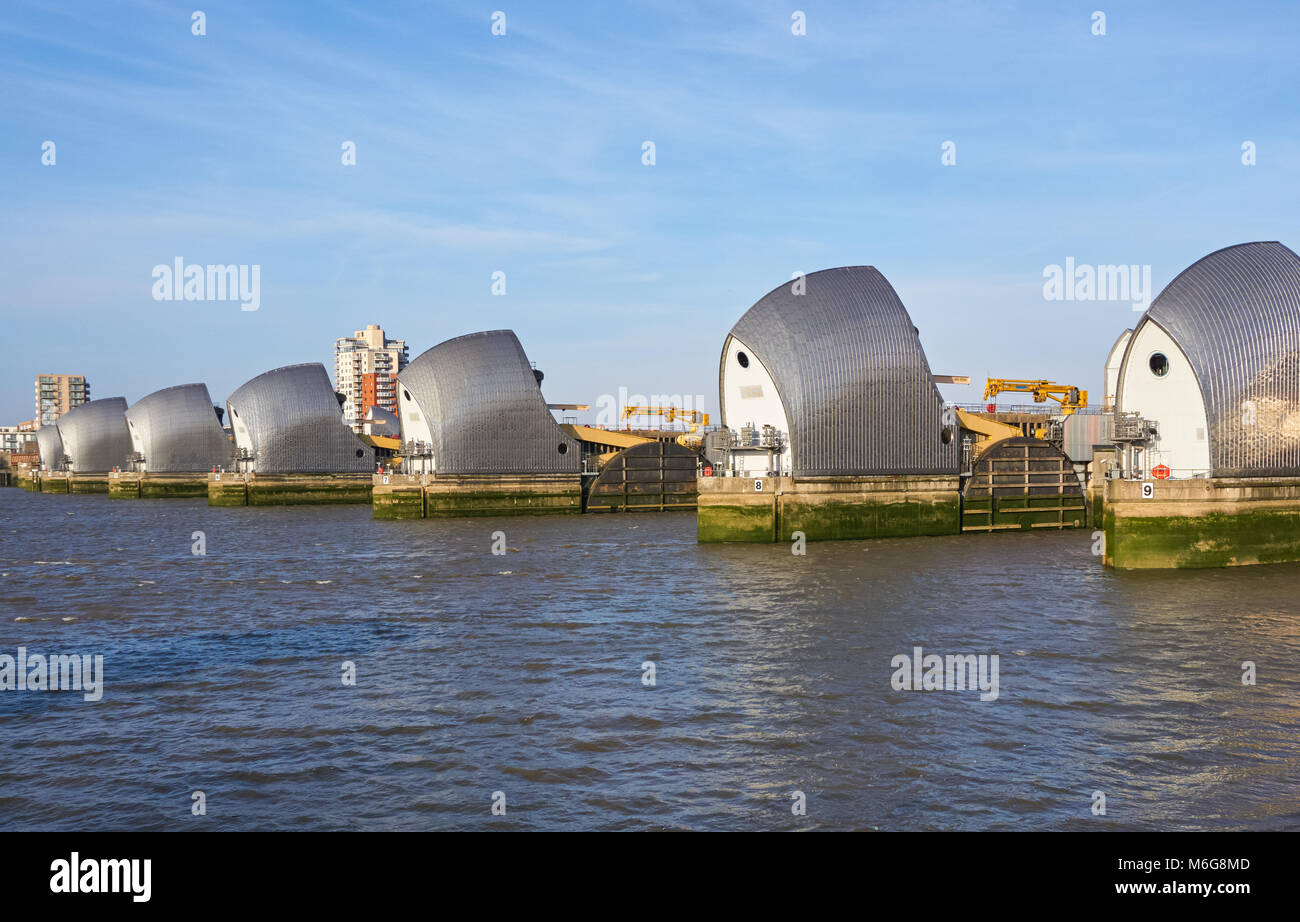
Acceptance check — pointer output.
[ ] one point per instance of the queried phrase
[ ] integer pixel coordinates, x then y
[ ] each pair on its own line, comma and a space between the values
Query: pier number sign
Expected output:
1148, 490
758, 485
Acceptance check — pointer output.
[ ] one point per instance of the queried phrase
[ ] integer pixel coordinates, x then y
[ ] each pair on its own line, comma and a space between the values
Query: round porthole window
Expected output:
1159, 364
742, 359
361, 453
563, 449
945, 435
406, 393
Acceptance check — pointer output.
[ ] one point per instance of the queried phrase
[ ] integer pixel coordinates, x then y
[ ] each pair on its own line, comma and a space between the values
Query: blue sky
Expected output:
522, 153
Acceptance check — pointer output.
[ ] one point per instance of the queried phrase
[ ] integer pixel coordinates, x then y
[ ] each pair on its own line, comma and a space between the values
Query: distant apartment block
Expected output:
57, 394
13, 439
365, 372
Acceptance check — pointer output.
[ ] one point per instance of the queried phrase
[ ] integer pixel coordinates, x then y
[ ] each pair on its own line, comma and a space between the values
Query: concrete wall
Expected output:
138, 485
502, 494
398, 496
87, 483
235, 489
1218, 522
824, 509
414, 496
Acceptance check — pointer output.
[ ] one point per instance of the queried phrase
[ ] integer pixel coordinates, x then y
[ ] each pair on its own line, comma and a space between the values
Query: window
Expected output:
742, 359
1159, 364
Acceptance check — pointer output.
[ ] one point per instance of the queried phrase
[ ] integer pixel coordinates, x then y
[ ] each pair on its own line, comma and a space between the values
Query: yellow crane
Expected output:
694, 417
692, 438
1070, 398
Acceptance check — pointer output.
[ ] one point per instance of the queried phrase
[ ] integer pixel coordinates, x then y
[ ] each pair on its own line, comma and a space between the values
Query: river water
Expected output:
520, 678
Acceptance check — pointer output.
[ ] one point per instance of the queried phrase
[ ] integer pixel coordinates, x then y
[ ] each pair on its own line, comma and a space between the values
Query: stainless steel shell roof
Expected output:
852, 377
485, 409
94, 435
383, 422
50, 446
296, 425
176, 430
1236, 315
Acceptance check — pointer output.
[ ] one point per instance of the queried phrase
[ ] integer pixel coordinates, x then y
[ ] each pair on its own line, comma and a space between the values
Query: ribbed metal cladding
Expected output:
176, 429
485, 408
50, 446
383, 422
852, 376
1236, 315
95, 437
296, 424
1082, 431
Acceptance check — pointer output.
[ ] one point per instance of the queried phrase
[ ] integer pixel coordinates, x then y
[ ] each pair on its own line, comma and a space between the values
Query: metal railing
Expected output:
1043, 409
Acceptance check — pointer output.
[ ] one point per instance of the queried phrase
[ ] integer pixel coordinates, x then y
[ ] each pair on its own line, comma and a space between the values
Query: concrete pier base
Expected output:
137, 485
54, 482
826, 509
398, 496
1213, 522
235, 489
414, 496
227, 489
88, 483
124, 485
453, 495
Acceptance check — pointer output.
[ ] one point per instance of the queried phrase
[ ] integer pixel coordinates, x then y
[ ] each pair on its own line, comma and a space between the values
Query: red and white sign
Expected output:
1160, 472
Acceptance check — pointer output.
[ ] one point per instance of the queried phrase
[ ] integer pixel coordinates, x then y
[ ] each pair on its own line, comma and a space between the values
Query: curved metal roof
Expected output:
485, 408
50, 445
296, 425
176, 429
852, 377
1236, 315
94, 435
383, 422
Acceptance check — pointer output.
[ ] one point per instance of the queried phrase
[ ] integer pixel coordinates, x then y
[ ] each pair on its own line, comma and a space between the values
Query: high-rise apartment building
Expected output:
57, 394
365, 372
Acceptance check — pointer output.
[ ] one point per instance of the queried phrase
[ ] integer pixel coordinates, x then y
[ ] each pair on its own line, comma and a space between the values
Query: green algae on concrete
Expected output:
123, 486
227, 489
232, 489
54, 483
88, 483
470, 495
833, 521
156, 487
397, 496
723, 522
136, 485
1211, 522
308, 489
734, 509
1214, 540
